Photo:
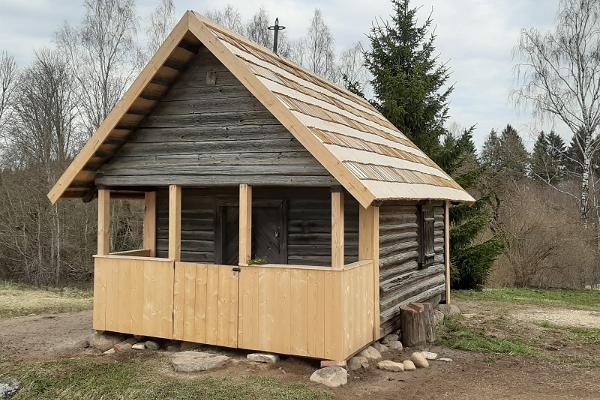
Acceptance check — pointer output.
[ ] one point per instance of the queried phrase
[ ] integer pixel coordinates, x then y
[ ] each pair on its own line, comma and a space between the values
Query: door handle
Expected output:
236, 269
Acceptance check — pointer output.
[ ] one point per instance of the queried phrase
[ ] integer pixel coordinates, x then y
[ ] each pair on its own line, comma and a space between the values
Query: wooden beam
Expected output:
103, 222
175, 222
337, 229
447, 248
368, 249
150, 223
245, 219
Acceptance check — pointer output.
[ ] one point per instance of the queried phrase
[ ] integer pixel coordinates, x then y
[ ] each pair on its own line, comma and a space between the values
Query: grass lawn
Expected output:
489, 325
139, 378
17, 300
575, 299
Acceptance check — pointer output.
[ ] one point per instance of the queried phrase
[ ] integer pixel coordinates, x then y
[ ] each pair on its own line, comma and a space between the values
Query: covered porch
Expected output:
326, 311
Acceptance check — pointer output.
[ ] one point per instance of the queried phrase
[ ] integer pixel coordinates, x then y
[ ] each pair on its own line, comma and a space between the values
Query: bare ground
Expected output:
469, 376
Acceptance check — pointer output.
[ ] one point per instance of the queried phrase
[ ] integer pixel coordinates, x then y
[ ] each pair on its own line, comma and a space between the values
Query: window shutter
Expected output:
427, 250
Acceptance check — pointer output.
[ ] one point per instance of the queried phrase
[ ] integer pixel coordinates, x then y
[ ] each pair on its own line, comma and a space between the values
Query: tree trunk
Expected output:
584, 203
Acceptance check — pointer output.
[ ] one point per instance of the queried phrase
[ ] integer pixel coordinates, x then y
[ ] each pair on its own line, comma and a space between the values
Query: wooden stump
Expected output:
412, 321
416, 320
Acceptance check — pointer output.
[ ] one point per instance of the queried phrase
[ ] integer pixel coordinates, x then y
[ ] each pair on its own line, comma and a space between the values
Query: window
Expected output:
426, 228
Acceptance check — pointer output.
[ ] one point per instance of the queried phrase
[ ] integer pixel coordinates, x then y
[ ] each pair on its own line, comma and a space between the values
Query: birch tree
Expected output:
229, 17
319, 51
559, 75
8, 78
162, 21
103, 56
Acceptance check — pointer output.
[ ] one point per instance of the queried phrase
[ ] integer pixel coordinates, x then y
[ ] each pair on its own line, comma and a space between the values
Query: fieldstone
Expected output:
449, 309
330, 376
358, 362
429, 355
196, 361
104, 341
139, 346
151, 345
409, 365
446, 359
109, 351
389, 365
122, 347
392, 337
438, 317
395, 345
9, 388
371, 353
380, 347
263, 358
419, 360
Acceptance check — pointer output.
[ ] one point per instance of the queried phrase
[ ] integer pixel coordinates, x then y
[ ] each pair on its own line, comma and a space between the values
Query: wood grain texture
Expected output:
447, 249
206, 304
245, 222
150, 223
134, 295
175, 222
337, 230
401, 280
103, 222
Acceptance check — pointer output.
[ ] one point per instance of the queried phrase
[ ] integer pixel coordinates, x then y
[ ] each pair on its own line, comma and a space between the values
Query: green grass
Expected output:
18, 300
573, 333
86, 378
576, 299
458, 335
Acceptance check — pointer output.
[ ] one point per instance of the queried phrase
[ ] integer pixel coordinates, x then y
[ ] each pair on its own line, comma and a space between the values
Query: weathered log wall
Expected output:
204, 133
308, 222
401, 279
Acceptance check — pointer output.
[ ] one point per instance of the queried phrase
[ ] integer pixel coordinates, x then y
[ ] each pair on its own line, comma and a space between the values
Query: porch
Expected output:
322, 311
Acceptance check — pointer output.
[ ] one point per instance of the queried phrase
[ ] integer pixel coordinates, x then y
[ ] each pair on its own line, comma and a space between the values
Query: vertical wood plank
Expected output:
175, 222
137, 298
189, 302
337, 229
299, 317
212, 304
447, 248
178, 301
200, 306
315, 313
103, 222
334, 330
245, 221
150, 223
368, 249
248, 330
101, 273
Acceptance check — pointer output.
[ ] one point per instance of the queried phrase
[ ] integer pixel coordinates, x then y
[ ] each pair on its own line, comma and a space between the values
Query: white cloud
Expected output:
475, 37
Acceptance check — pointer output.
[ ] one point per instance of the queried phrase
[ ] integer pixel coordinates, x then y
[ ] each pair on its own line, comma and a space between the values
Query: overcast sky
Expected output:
475, 37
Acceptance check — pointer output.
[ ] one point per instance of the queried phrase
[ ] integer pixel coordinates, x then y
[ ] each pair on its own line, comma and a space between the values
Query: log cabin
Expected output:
282, 212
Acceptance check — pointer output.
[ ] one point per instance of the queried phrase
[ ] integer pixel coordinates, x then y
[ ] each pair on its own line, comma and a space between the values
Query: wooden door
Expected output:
269, 234
206, 304
227, 243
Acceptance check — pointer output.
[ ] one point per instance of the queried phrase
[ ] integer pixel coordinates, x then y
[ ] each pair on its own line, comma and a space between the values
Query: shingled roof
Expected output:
370, 157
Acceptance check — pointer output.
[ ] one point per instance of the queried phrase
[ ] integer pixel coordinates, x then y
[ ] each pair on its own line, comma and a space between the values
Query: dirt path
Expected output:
469, 376
43, 337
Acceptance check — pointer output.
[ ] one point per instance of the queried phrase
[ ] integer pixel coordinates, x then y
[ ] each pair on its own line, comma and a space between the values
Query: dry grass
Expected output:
18, 300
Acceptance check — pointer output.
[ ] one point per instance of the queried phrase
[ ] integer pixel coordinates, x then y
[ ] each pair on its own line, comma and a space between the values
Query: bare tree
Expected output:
560, 77
162, 21
8, 78
103, 55
320, 54
229, 17
257, 29
351, 68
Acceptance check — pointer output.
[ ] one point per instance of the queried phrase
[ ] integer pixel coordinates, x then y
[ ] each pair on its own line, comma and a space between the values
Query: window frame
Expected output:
426, 235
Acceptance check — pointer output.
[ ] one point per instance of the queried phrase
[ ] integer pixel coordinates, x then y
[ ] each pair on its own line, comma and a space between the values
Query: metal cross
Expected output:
276, 28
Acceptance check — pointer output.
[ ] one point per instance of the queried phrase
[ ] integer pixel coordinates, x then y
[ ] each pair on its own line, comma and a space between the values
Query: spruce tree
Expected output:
471, 259
408, 81
514, 157
490, 154
548, 158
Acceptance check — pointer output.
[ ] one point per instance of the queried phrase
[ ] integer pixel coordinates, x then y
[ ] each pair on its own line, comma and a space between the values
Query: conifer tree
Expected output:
409, 83
548, 158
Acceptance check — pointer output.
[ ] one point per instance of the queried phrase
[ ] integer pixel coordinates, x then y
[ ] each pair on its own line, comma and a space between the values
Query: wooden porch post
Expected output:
175, 222
245, 218
337, 229
150, 223
368, 249
103, 222
447, 248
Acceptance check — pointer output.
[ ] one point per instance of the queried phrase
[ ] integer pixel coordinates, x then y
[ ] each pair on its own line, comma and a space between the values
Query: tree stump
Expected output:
413, 322
429, 322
